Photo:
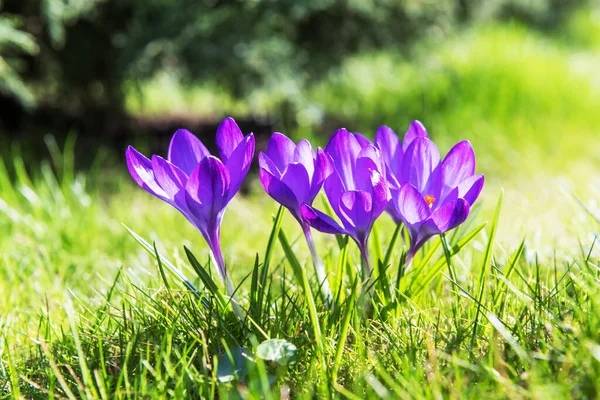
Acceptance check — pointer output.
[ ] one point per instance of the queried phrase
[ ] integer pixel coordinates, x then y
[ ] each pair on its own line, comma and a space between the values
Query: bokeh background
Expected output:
519, 78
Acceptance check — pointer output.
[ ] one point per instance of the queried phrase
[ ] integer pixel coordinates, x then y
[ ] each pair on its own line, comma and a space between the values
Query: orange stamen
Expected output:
429, 200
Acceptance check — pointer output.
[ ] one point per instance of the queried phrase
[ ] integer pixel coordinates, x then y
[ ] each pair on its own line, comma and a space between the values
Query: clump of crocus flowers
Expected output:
407, 178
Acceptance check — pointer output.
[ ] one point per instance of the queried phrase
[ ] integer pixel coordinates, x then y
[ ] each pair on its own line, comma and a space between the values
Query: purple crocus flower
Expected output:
356, 189
197, 183
430, 196
392, 152
293, 175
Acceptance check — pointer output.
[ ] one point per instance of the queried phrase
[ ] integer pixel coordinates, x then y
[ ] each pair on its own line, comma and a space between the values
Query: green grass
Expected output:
86, 313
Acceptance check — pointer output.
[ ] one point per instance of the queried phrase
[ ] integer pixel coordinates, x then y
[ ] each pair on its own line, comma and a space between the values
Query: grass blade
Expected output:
344, 328
422, 282
486, 264
206, 279
151, 250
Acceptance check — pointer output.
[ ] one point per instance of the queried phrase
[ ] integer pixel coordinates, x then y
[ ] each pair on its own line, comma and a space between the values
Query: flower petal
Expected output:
415, 130
334, 188
470, 188
420, 159
280, 150
305, 155
323, 168
229, 137
170, 178
343, 147
296, 178
363, 141
451, 214
186, 151
355, 210
458, 165
141, 171
391, 207
208, 189
369, 159
279, 191
239, 162
380, 194
265, 162
320, 221
391, 150
411, 205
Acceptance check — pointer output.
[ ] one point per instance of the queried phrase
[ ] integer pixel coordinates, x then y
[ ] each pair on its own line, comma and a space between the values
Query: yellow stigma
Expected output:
429, 199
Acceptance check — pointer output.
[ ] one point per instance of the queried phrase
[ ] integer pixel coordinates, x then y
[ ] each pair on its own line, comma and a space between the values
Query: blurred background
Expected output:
519, 78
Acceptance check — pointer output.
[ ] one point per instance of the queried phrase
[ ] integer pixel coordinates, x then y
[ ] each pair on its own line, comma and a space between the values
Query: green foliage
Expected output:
490, 84
239, 46
14, 42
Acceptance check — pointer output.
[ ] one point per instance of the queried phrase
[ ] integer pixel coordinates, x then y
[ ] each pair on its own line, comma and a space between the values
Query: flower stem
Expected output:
367, 269
220, 263
318, 264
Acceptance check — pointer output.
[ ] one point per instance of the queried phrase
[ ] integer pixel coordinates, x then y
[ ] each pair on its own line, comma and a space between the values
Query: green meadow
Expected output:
506, 306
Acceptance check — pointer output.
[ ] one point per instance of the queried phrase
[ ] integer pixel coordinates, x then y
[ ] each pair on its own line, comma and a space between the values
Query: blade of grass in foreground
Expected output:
206, 279
150, 249
309, 298
263, 275
431, 274
390, 250
485, 266
343, 335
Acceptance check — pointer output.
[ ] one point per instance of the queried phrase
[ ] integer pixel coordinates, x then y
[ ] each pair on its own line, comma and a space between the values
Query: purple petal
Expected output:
239, 163
186, 151
141, 171
391, 207
334, 188
369, 159
343, 147
265, 162
415, 130
207, 189
470, 188
280, 150
305, 155
362, 176
420, 159
411, 205
296, 178
355, 209
279, 191
380, 193
391, 179
323, 168
229, 137
170, 178
389, 145
421, 233
362, 139
458, 165
450, 215
320, 221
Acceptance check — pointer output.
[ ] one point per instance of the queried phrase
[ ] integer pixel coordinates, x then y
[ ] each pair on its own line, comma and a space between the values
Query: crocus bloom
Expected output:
293, 175
197, 183
432, 196
392, 152
356, 189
